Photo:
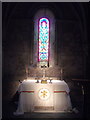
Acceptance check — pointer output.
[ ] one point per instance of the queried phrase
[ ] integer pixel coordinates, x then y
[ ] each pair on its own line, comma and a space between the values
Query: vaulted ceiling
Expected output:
61, 10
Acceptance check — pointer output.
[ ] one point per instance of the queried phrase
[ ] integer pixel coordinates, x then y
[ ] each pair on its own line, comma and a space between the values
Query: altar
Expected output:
38, 96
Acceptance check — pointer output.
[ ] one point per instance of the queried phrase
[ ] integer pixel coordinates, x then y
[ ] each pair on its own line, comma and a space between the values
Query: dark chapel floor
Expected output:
9, 108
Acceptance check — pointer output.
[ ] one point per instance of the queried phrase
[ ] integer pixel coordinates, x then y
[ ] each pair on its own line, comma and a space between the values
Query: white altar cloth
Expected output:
36, 95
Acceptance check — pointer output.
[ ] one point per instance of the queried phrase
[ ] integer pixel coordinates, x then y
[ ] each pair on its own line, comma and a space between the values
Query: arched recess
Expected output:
44, 13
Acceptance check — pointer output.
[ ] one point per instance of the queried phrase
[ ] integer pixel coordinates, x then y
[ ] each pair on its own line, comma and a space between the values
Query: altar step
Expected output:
43, 108
47, 109
51, 111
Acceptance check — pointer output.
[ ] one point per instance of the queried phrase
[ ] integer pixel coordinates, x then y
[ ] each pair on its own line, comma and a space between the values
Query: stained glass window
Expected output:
43, 39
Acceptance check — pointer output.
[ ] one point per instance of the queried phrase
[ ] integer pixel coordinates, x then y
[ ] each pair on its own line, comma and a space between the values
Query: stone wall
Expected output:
17, 54
18, 41
70, 49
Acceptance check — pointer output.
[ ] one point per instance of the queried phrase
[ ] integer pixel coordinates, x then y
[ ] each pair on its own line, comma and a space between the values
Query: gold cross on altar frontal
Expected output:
44, 93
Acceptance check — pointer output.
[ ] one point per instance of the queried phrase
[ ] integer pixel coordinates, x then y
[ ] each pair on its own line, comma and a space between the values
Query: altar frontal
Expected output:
39, 96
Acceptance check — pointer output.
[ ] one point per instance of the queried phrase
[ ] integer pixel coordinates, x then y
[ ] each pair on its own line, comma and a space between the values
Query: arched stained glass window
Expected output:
43, 40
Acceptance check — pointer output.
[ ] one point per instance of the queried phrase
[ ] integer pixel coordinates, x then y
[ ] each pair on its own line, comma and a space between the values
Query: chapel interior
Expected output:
65, 60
